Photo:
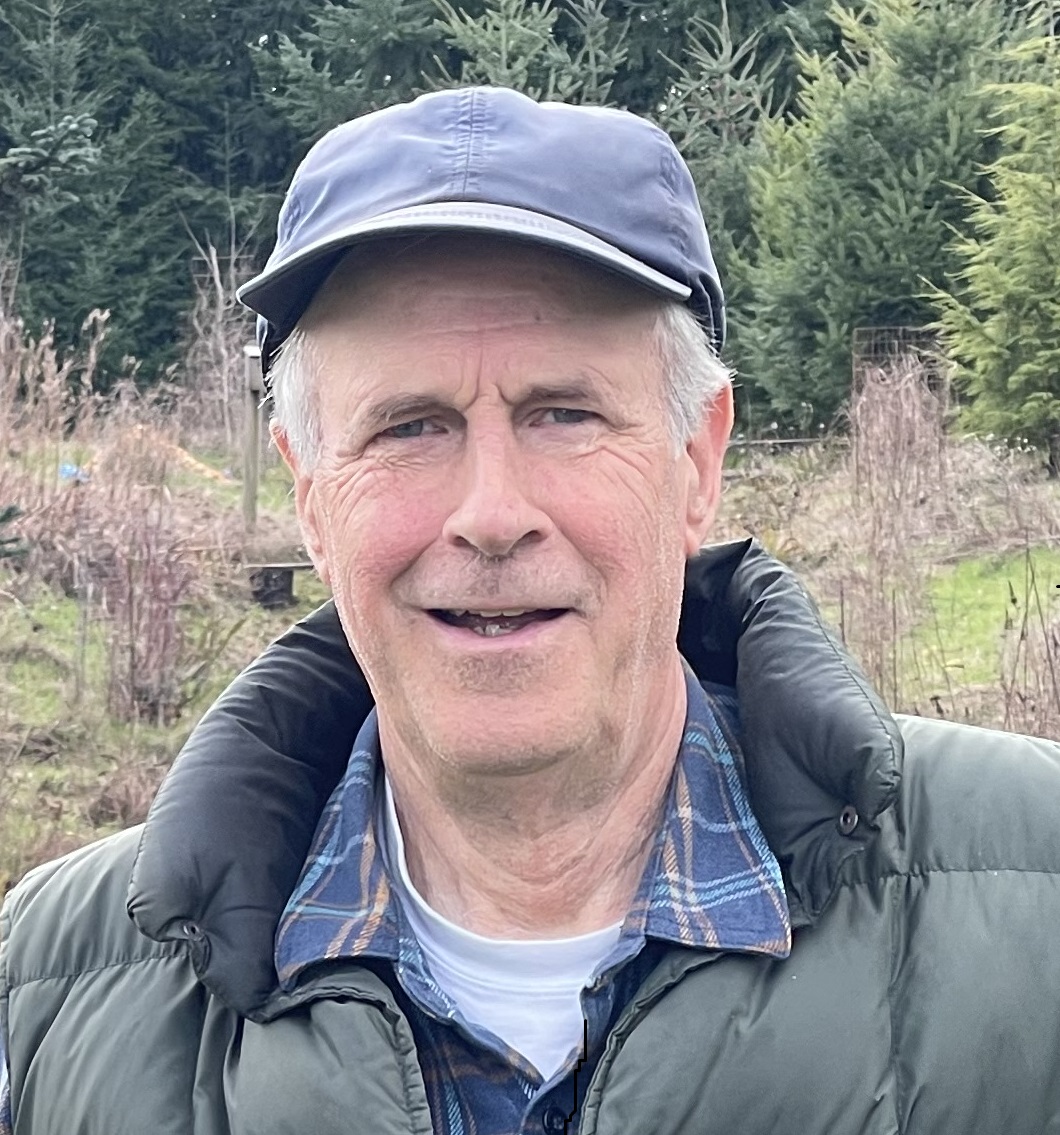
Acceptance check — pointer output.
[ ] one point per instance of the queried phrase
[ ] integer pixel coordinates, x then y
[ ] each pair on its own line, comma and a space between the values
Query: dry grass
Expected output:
118, 619
874, 526
1030, 664
901, 501
213, 368
91, 477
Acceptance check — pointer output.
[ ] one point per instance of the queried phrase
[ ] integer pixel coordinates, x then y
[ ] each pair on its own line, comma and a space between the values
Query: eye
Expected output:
416, 428
564, 416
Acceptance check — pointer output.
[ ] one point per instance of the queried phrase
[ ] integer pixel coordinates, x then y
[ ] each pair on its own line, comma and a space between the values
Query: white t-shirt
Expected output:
525, 992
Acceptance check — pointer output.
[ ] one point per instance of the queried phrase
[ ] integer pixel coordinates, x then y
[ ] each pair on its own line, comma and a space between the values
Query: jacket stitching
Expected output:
124, 962
899, 1098
1050, 872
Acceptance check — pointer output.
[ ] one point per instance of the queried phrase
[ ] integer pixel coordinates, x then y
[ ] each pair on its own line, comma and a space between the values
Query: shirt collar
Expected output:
711, 883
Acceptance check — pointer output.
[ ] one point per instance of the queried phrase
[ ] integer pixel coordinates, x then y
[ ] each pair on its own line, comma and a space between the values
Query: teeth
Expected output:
495, 614
491, 630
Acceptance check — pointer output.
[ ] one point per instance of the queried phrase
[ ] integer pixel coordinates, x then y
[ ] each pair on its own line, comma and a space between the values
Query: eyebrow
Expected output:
384, 412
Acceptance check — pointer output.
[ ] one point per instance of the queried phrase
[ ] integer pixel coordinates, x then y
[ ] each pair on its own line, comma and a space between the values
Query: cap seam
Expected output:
474, 134
677, 231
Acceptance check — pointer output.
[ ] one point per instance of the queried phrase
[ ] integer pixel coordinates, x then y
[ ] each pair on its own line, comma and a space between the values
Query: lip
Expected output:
460, 638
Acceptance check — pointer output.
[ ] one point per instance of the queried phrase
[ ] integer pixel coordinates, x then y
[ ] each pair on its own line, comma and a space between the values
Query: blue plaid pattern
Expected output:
711, 883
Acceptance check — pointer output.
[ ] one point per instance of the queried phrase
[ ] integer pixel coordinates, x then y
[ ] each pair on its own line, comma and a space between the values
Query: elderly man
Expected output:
597, 777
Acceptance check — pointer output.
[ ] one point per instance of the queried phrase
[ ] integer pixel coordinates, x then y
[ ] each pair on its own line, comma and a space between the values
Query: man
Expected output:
625, 844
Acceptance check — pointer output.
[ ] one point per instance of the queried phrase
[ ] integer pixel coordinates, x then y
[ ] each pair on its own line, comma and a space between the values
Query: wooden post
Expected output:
254, 390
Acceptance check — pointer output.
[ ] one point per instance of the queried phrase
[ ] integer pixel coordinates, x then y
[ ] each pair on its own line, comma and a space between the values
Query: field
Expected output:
126, 606
936, 558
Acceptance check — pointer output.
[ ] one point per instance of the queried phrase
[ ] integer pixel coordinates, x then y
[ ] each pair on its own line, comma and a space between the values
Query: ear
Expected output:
306, 503
703, 457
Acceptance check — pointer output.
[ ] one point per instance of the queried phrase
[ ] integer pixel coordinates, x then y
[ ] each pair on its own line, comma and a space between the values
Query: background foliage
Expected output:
1002, 320
856, 199
856, 161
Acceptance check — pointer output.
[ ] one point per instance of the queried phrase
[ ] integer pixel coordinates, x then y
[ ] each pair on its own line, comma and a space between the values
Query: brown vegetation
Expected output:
872, 518
126, 606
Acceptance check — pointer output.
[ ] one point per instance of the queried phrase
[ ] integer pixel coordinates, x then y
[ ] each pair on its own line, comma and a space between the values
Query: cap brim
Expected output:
283, 291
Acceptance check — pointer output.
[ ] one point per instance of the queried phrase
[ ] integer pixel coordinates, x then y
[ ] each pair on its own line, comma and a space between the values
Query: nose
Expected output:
496, 512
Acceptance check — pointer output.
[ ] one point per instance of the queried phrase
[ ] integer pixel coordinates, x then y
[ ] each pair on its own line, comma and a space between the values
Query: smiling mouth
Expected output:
490, 624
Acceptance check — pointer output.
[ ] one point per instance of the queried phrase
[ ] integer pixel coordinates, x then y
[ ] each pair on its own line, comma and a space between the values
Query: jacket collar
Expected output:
230, 828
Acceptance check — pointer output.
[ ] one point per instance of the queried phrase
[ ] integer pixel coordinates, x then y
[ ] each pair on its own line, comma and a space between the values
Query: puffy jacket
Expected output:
921, 859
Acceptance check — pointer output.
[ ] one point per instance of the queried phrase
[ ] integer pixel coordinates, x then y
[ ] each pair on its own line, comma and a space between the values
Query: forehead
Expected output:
453, 284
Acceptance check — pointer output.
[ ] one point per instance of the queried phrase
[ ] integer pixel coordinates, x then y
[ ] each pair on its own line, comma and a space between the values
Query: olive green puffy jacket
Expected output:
922, 862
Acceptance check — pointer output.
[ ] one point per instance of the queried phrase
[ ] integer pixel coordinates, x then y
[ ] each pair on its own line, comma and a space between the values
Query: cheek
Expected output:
621, 511
625, 499
373, 533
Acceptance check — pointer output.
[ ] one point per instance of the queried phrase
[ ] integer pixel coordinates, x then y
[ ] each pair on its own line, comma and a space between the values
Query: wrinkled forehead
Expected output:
477, 280
444, 316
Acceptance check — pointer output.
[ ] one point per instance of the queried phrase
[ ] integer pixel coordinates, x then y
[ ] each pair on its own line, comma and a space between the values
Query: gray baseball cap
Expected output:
600, 184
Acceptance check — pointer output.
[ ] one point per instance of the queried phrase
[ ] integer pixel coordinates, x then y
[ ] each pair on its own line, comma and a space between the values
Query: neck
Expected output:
555, 853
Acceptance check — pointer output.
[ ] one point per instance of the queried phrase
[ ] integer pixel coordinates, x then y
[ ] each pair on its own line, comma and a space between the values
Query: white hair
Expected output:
694, 375
693, 372
292, 385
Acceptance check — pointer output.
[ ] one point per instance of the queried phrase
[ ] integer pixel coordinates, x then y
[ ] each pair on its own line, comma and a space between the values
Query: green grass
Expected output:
974, 604
62, 757
274, 481
49, 654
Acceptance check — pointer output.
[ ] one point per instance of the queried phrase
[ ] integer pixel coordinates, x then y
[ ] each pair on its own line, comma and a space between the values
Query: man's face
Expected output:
498, 503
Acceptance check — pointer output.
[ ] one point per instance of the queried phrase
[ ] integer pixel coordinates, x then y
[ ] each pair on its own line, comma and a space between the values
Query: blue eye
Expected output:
566, 417
406, 429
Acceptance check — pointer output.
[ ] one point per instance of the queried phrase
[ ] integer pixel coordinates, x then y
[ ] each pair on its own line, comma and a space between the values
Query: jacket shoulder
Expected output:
977, 799
69, 916
105, 1030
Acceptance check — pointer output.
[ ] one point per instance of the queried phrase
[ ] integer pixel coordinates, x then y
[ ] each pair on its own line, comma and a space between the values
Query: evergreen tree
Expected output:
1001, 323
855, 205
517, 44
47, 134
720, 98
125, 125
128, 128
356, 55
50, 157
351, 58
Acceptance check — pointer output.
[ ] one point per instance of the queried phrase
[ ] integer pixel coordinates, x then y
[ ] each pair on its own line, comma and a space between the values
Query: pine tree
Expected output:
350, 59
48, 144
568, 54
855, 205
721, 98
1001, 323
